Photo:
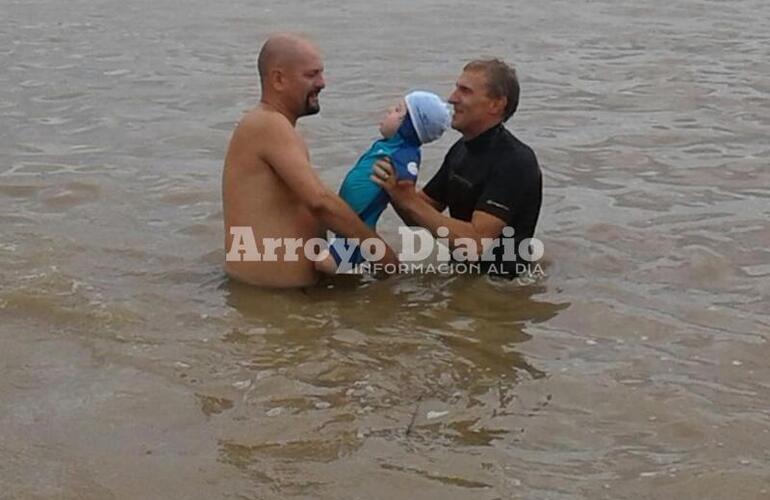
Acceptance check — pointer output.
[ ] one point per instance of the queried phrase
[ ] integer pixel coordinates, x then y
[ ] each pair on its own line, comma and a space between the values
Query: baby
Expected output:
419, 118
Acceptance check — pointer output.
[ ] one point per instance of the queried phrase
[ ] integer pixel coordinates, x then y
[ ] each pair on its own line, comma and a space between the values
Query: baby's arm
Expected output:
406, 164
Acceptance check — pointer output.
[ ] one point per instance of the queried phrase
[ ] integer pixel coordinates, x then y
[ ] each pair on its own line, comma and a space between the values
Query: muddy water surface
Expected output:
638, 368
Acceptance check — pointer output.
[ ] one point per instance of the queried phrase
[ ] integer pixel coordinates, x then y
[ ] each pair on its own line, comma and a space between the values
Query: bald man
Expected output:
269, 188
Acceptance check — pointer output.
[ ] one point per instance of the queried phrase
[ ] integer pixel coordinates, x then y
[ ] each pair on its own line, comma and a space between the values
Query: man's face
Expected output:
473, 107
307, 81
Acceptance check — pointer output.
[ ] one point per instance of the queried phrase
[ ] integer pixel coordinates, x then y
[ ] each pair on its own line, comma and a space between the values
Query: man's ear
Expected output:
277, 78
497, 106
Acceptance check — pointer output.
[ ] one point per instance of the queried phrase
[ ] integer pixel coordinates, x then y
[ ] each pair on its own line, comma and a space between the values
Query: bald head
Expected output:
291, 74
284, 50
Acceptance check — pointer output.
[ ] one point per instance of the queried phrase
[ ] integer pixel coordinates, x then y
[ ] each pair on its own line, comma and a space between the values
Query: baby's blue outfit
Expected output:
365, 197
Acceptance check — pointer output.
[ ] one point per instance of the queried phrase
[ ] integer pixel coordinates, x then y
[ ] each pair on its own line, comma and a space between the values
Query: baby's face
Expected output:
392, 120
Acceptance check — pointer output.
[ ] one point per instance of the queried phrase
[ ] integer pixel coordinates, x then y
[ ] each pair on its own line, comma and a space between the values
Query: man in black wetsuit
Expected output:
490, 180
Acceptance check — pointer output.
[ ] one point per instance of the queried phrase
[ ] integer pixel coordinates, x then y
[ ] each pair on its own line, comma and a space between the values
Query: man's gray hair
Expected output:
501, 82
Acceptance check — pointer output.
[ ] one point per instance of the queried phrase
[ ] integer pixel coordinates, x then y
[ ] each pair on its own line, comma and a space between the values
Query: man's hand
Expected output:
384, 176
416, 208
390, 258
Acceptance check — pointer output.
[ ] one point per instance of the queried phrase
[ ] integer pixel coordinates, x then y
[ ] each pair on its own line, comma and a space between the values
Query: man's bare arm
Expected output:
427, 199
417, 208
287, 155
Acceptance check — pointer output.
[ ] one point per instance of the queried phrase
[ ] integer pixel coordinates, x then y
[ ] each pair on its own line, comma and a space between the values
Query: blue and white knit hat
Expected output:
429, 113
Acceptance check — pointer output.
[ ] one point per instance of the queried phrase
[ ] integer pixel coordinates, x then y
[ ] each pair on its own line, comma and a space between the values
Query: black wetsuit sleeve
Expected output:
511, 187
436, 188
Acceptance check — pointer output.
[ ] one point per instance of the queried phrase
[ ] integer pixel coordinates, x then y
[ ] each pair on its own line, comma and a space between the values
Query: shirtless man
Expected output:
268, 184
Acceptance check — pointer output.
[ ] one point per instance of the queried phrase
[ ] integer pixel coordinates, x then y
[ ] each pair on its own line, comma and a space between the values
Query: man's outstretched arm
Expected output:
417, 208
288, 157
407, 217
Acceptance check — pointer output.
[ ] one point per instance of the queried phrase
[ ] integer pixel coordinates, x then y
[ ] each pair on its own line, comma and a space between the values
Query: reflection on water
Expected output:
438, 329
404, 363
131, 368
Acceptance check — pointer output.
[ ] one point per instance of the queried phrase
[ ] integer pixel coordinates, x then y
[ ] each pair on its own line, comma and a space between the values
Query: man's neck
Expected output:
472, 134
278, 106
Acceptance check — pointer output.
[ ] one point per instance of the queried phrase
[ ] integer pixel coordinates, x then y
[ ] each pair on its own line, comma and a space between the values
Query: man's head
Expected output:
486, 93
291, 72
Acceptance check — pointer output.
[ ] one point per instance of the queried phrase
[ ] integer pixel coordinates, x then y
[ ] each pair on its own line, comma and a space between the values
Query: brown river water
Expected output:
637, 368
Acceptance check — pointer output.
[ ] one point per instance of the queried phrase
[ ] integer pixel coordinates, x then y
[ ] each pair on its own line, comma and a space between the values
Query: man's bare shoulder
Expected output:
267, 124
259, 135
